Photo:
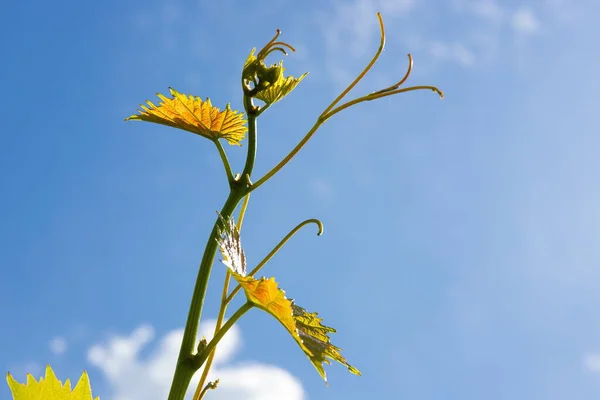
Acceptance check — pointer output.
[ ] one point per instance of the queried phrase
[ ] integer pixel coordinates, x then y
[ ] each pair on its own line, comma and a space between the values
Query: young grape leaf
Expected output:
279, 89
191, 114
50, 388
250, 66
231, 247
275, 90
305, 328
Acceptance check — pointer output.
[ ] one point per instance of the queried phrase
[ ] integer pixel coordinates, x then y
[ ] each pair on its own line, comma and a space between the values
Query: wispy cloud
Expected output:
456, 52
58, 345
347, 28
352, 25
491, 26
524, 21
350, 31
396, 7
133, 377
591, 362
488, 9
565, 11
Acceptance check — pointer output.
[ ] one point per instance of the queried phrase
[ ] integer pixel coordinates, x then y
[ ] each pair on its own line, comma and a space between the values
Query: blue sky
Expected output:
460, 258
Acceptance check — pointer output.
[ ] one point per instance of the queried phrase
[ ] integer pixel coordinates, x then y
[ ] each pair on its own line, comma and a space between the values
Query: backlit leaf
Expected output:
50, 388
249, 71
192, 114
306, 328
231, 247
315, 337
279, 89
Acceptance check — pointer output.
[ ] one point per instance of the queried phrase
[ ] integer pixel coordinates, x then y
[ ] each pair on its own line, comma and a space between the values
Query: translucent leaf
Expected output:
249, 71
306, 328
276, 88
279, 89
192, 114
50, 388
231, 247
315, 337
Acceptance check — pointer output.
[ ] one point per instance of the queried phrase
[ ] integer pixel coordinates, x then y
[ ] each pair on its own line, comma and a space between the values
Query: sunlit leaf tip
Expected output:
315, 337
279, 89
195, 115
306, 328
50, 387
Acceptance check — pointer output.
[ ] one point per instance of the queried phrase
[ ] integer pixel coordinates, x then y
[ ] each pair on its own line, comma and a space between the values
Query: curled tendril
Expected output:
272, 49
277, 248
272, 45
404, 78
261, 75
391, 90
277, 34
333, 108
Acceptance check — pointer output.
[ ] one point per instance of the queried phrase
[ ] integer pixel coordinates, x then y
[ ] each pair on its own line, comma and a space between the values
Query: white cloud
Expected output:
353, 25
58, 345
350, 27
456, 52
488, 9
132, 377
566, 11
396, 7
524, 21
592, 362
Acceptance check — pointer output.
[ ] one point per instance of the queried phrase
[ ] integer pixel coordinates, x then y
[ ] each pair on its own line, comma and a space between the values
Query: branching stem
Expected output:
240, 187
199, 361
331, 110
187, 362
223, 308
276, 249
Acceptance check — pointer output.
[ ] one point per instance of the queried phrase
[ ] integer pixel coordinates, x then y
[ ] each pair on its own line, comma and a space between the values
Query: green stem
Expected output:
287, 158
252, 139
225, 162
181, 380
219, 335
200, 390
378, 95
187, 364
185, 368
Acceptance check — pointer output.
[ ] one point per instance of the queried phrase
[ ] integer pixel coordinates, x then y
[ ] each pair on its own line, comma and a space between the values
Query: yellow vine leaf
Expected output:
279, 89
192, 114
250, 65
50, 388
276, 90
306, 328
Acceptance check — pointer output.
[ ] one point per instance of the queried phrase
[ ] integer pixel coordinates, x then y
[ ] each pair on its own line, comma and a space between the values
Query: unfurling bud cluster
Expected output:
256, 75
